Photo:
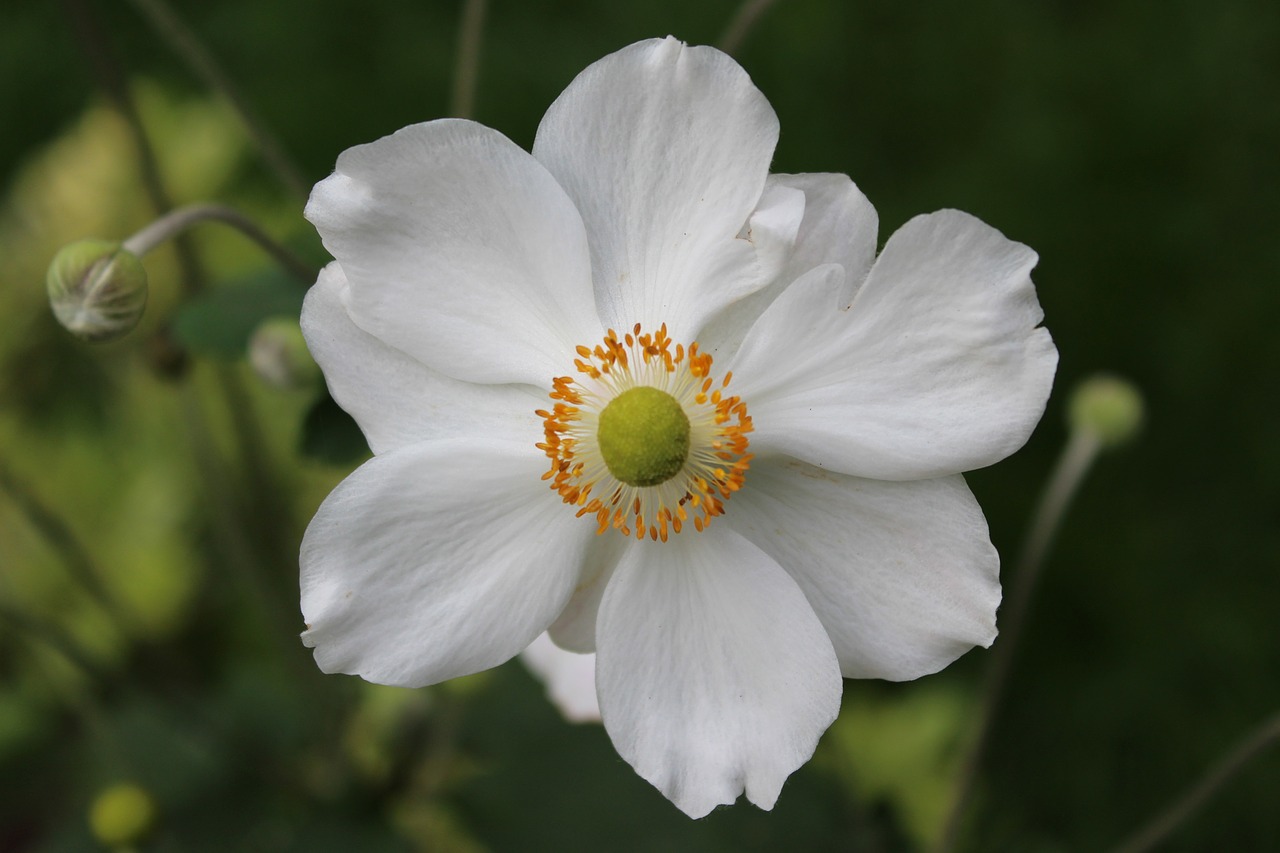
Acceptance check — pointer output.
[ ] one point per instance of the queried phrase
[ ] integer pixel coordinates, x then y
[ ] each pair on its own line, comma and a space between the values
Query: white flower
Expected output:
785, 505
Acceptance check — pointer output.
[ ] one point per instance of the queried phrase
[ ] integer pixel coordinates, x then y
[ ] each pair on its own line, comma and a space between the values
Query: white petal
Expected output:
714, 674
903, 575
774, 226
437, 560
664, 149
838, 227
461, 250
937, 367
570, 678
394, 398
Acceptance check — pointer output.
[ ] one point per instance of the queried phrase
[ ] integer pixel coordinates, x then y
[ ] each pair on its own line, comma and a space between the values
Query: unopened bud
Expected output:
279, 354
122, 815
98, 290
1107, 406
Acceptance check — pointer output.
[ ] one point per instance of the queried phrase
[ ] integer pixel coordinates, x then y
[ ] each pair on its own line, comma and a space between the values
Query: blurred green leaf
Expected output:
218, 323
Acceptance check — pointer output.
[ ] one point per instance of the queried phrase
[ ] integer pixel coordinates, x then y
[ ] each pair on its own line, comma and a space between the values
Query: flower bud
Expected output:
122, 815
279, 354
1107, 406
98, 290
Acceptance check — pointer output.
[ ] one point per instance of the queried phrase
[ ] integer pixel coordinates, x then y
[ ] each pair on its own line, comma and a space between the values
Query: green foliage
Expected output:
219, 322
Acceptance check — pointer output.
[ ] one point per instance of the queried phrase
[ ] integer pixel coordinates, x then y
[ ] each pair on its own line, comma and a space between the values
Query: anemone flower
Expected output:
636, 390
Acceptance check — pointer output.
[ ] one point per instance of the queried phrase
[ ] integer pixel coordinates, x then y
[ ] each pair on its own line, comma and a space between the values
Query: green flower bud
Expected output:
98, 289
122, 815
1107, 406
279, 354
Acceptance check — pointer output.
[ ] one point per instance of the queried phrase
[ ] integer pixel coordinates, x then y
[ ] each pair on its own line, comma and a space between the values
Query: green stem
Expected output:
184, 43
247, 433
278, 618
54, 530
178, 221
1077, 457
735, 35
1222, 772
53, 637
110, 77
466, 67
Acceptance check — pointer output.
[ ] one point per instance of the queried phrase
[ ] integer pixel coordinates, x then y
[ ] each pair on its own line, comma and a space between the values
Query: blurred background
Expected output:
153, 491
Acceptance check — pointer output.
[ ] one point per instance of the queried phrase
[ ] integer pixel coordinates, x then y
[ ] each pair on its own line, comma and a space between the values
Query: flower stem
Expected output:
177, 221
183, 42
110, 77
74, 555
248, 436
466, 67
1194, 799
251, 567
52, 636
1077, 457
740, 26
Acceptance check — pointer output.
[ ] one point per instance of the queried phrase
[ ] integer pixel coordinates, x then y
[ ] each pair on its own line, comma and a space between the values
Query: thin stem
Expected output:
110, 77
83, 703
466, 68
247, 434
183, 42
251, 568
177, 221
1194, 799
1077, 457
52, 636
743, 20
63, 539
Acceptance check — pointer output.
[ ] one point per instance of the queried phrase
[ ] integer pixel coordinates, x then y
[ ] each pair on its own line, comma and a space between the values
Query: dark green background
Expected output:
1132, 144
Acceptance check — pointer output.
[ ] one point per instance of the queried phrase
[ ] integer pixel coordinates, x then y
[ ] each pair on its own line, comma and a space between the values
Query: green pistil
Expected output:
643, 436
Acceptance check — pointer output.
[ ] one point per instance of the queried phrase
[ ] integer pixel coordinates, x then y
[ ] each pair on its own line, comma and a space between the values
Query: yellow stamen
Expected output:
717, 460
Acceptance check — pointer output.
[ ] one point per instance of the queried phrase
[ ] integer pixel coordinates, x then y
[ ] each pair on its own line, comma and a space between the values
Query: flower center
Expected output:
639, 440
643, 436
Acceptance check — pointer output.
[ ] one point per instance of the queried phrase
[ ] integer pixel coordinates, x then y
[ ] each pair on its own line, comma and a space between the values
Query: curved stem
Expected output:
1077, 457
247, 434
184, 43
1194, 799
176, 221
743, 20
466, 67
110, 77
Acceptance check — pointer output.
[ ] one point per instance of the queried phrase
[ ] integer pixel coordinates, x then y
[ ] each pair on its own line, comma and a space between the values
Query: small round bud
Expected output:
122, 815
98, 289
1107, 406
279, 354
